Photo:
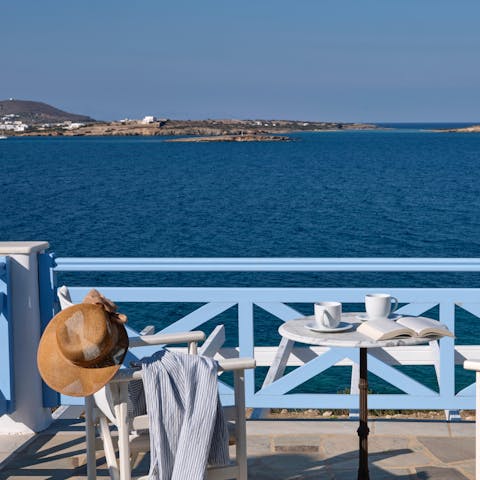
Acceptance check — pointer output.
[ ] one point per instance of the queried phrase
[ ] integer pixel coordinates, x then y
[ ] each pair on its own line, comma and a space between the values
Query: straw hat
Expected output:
83, 346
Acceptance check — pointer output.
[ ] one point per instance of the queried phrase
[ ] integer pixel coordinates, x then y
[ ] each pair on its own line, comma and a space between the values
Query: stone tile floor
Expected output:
277, 449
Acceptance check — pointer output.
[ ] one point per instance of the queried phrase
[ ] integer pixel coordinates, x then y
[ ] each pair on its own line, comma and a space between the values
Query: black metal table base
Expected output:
363, 429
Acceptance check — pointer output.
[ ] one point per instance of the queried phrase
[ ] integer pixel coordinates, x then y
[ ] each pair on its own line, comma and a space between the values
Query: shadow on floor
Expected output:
342, 466
62, 457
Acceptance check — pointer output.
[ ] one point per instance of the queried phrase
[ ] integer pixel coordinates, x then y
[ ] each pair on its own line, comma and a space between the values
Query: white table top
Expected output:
296, 330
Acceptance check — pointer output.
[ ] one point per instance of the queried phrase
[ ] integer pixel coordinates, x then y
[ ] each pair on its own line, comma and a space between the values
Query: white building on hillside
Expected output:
21, 127
149, 119
74, 125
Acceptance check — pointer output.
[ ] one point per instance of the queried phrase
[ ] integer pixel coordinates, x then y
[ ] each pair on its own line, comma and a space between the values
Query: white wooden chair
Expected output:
108, 409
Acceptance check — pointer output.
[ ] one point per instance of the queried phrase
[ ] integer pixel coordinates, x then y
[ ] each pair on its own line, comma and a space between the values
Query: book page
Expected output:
383, 329
423, 326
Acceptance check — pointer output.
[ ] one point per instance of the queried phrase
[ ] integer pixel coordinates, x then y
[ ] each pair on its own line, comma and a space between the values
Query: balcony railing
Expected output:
6, 332
307, 362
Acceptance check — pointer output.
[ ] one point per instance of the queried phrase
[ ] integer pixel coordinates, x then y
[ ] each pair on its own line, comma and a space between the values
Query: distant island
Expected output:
28, 118
470, 129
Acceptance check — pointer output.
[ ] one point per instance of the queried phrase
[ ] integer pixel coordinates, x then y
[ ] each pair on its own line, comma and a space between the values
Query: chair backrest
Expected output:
63, 295
104, 398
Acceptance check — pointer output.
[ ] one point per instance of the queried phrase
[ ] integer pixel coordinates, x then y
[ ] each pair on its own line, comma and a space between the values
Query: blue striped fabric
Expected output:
136, 405
187, 426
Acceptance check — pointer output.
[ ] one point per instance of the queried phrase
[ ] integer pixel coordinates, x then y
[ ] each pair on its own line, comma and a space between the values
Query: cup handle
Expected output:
396, 304
321, 312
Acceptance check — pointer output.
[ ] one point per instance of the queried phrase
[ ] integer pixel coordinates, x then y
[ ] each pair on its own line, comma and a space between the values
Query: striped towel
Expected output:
187, 426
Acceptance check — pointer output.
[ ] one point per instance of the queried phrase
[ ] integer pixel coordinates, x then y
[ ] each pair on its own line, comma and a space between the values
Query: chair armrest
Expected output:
472, 365
231, 364
126, 375
167, 338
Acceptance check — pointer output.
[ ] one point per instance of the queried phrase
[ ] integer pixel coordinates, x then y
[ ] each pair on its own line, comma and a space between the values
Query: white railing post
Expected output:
475, 366
28, 415
447, 358
246, 342
477, 427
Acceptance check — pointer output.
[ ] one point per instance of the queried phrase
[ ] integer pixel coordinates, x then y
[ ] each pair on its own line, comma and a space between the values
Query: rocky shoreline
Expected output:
232, 138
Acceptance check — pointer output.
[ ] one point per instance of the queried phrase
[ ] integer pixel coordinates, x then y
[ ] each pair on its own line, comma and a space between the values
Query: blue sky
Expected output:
351, 60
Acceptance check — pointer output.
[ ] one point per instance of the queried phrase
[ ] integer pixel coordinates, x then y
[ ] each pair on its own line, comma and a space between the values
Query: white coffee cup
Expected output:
379, 305
328, 314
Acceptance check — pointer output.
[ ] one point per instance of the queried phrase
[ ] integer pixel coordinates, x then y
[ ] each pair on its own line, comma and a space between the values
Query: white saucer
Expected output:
364, 317
341, 327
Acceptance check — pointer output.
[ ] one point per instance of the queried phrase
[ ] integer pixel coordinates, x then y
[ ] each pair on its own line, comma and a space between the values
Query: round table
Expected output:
297, 331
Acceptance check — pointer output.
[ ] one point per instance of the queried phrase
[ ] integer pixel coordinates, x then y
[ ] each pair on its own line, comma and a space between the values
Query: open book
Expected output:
385, 329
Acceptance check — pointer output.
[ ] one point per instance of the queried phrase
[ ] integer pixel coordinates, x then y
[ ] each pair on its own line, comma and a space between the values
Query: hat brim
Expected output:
69, 379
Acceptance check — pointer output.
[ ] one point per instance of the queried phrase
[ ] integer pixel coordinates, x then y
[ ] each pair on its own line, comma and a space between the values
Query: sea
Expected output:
402, 191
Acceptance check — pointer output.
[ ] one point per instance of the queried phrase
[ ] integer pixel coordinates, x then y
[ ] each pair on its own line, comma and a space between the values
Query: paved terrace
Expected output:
277, 449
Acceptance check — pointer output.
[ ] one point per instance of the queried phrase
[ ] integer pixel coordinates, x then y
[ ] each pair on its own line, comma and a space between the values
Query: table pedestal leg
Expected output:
363, 429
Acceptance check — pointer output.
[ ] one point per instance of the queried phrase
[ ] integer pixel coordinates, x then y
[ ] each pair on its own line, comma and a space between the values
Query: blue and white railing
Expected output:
311, 361
6, 333
96, 264
28, 279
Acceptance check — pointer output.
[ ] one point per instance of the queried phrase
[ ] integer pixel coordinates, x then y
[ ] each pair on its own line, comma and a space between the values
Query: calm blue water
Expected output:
326, 194
399, 193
